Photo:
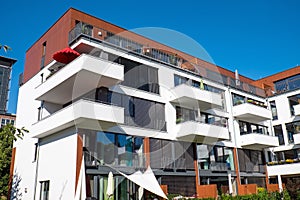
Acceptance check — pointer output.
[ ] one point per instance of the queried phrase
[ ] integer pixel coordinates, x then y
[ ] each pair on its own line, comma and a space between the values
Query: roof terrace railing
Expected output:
158, 55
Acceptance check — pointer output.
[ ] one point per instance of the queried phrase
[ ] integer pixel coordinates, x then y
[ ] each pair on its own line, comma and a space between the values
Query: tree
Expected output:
5, 47
8, 134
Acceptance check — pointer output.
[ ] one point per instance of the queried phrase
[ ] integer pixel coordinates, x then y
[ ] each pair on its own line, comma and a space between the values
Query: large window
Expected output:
238, 99
178, 80
279, 134
171, 155
215, 158
113, 149
251, 160
292, 128
44, 193
248, 128
288, 84
185, 114
138, 112
140, 76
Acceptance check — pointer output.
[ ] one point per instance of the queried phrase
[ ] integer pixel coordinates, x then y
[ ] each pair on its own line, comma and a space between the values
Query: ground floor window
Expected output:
183, 185
44, 194
123, 188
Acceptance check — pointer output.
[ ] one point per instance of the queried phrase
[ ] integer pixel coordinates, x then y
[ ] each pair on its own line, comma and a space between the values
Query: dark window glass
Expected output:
140, 76
274, 110
44, 193
279, 134
292, 128
178, 80
294, 100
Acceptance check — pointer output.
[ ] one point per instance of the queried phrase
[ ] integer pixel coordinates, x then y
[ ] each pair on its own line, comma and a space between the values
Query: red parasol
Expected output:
65, 55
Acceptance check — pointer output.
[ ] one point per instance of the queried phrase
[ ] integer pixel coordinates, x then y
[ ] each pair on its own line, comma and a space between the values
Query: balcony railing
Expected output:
205, 118
154, 123
155, 54
133, 160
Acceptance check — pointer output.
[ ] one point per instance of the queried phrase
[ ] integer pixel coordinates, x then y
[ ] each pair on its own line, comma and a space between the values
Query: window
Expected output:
248, 128
43, 55
292, 128
251, 160
274, 110
36, 146
44, 194
279, 134
140, 76
178, 80
237, 99
290, 83
44, 49
114, 149
294, 100
215, 158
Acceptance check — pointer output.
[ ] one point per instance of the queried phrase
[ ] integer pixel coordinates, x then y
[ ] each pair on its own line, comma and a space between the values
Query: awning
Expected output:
147, 181
65, 55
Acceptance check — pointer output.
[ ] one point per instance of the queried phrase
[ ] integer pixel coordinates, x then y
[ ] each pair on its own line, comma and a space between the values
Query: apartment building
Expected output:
126, 104
7, 118
5, 72
283, 88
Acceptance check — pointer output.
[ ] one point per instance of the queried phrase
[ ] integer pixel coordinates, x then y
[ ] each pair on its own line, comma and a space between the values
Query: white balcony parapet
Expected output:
82, 114
252, 113
201, 132
188, 95
296, 138
78, 77
258, 141
297, 109
284, 169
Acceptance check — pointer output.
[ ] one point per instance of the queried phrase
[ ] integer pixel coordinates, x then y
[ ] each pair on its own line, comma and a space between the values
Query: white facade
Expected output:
54, 125
282, 163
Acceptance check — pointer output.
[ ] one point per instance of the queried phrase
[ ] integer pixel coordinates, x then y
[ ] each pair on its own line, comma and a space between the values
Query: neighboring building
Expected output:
284, 161
7, 119
5, 72
128, 102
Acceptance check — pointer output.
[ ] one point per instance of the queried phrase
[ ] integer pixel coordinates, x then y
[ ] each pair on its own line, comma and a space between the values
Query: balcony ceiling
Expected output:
79, 77
258, 141
203, 133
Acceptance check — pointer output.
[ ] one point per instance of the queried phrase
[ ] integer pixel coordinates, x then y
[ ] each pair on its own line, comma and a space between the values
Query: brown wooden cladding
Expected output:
11, 171
247, 189
207, 191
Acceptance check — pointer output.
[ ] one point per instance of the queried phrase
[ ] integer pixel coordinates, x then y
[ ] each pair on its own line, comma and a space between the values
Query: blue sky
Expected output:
258, 38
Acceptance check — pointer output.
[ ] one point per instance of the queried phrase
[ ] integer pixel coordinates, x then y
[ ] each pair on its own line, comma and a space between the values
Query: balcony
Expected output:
257, 141
297, 110
251, 112
82, 114
201, 132
288, 167
77, 78
191, 96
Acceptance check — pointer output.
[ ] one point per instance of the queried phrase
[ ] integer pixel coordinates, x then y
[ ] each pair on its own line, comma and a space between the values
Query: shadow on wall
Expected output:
16, 193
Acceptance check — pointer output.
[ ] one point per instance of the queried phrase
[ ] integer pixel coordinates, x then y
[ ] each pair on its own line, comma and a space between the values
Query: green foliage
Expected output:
8, 134
293, 188
261, 195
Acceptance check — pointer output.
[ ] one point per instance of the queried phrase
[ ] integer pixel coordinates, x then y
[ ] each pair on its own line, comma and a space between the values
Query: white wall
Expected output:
57, 163
27, 114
